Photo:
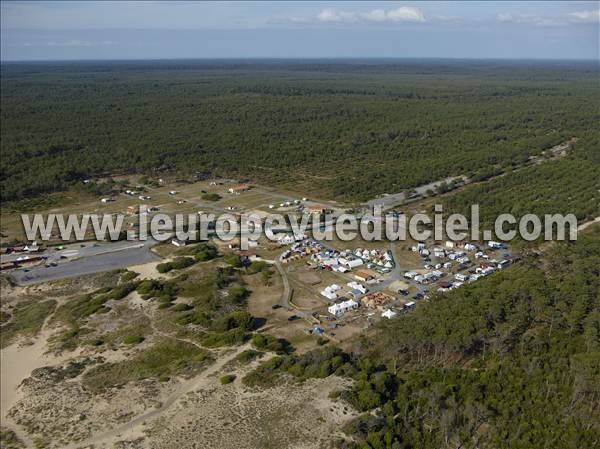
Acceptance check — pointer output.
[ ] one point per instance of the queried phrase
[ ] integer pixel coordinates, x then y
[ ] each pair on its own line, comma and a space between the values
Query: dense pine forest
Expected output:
347, 129
512, 361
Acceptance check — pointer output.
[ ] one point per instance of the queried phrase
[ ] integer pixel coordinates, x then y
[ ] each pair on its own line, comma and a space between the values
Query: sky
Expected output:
89, 30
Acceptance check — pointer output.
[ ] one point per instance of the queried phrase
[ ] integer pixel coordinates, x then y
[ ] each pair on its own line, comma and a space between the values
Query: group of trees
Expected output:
570, 185
346, 129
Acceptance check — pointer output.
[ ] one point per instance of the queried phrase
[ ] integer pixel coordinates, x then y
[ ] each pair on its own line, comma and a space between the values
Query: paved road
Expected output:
105, 257
75, 250
395, 199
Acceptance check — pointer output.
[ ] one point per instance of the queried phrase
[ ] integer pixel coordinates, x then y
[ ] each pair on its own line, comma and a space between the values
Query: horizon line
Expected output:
300, 58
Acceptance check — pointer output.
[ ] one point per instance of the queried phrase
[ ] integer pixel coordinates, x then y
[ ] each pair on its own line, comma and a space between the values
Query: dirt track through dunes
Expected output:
584, 226
130, 428
234, 417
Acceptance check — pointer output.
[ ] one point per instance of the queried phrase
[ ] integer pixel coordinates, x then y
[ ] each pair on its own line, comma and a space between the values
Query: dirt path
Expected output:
131, 429
587, 224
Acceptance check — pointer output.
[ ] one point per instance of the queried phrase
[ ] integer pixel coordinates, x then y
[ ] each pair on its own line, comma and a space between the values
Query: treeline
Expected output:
350, 129
510, 361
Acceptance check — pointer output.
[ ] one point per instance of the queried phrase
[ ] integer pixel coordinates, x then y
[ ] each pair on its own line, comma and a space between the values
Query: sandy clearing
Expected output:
17, 361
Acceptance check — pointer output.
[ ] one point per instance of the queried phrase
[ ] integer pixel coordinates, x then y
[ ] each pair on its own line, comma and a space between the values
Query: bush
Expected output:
176, 264
133, 339
227, 379
181, 307
257, 266
269, 343
228, 338
182, 262
148, 286
211, 197
200, 252
123, 290
233, 260
234, 320
127, 276
322, 341
248, 355
237, 294
165, 291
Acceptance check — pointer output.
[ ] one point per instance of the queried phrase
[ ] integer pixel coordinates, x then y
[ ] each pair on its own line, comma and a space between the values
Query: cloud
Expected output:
78, 43
406, 14
585, 16
377, 15
71, 43
402, 14
333, 15
527, 19
557, 20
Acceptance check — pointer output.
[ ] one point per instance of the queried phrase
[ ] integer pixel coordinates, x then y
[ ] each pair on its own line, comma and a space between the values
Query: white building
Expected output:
329, 294
389, 314
356, 286
342, 307
340, 268
351, 263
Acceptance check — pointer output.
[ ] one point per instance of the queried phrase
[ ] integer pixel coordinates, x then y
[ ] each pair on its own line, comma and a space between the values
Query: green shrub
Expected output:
227, 379
322, 341
257, 266
181, 307
228, 338
178, 263
123, 290
200, 252
237, 294
127, 276
269, 343
233, 260
211, 197
133, 339
248, 355
242, 320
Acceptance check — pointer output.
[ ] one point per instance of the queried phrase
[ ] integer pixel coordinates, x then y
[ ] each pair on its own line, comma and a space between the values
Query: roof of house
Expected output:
315, 207
240, 187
